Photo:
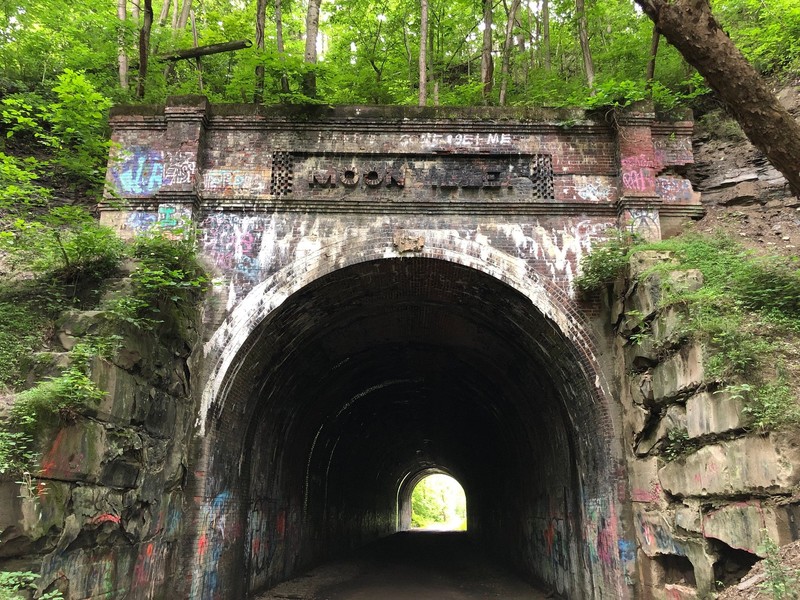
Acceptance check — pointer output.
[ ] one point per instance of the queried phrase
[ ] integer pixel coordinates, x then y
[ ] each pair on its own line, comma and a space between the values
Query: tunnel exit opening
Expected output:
438, 503
369, 379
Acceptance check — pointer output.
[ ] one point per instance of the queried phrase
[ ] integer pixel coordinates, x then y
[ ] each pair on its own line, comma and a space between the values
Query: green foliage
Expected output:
47, 401
605, 263
17, 184
17, 585
678, 444
746, 306
781, 581
772, 405
438, 499
65, 243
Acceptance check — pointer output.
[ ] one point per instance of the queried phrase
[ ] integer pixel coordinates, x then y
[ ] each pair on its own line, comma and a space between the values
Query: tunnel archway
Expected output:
411, 483
313, 421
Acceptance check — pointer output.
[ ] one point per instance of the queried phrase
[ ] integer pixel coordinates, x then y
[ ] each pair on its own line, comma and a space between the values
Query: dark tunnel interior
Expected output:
385, 371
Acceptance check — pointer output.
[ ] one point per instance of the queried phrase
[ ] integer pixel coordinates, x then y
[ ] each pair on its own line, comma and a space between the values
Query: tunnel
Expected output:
374, 375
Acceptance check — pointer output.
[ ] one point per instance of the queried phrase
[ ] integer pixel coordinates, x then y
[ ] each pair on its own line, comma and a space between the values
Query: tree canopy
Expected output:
368, 50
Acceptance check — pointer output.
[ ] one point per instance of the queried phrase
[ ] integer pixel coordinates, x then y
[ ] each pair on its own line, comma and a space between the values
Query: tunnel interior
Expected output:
379, 373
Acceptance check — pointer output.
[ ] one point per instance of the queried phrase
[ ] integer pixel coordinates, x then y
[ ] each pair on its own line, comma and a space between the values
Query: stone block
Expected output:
643, 261
655, 533
742, 525
674, 418
689, 519
679, 374
643, 477
74, 324
708, 413
641, 387
676, 591
76, 452
754, 464
667, 325
120, 387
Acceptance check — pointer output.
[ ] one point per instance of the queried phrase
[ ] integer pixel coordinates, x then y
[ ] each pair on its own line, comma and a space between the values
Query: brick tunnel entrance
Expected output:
378, 373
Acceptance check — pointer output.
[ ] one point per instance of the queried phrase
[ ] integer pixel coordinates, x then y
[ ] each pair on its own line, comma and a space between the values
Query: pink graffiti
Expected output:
106, 518
636, 162
641, 180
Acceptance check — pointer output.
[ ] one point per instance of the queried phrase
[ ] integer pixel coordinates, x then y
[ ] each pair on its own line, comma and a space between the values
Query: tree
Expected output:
312, 29
144, 46
487, 64
261, 17
507, 45
423, 61
583, 36
690, 26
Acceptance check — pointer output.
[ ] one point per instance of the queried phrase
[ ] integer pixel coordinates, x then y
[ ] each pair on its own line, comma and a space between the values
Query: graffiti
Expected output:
675, 189
555, 542
593, 192
627, 551
106, 518
211, 542
644, 222
179, 168
637, 174
465, 139
139, 220
562, 249
636, 162
137, 171
237, 183
640, 181
655, 536
148, 572
654, 494
600, 532
671, 150
266, 535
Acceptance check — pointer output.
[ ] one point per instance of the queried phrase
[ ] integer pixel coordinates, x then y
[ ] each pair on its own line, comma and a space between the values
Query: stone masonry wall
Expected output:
103, 516
702, 504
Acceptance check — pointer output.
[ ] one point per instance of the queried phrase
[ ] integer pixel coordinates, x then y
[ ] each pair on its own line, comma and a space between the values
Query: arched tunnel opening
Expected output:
431, 499
378, 373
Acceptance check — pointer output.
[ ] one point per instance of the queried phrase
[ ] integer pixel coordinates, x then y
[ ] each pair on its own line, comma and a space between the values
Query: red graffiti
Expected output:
202, 544
106, 518
281, 525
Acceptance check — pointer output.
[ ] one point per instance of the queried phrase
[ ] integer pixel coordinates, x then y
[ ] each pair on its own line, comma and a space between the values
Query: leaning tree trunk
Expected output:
144, 46
583, 36
423, 48
650, 75
690, 27
487, 65
312, 27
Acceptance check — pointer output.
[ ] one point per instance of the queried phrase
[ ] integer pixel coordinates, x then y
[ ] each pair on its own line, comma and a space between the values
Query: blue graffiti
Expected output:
138, 172
627, 551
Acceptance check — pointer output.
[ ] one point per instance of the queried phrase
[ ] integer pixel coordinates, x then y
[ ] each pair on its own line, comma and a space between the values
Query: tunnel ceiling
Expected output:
388, 367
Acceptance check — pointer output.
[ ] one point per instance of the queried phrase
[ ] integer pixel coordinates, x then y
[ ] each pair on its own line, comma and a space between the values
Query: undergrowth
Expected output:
745, 314
59, 257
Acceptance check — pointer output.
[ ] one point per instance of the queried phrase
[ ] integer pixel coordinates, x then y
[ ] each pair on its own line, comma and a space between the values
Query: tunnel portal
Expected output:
388, 369
394, 296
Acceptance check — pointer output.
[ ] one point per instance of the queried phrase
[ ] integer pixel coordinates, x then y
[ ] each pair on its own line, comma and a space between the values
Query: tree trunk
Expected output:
423, 48
487, 64
546, 33
583, 36
183, 19
690, 27
135, 11
312, 27
162, 16
261, 17
144, 46
651, 64
507, 44
122, 55
279, 42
